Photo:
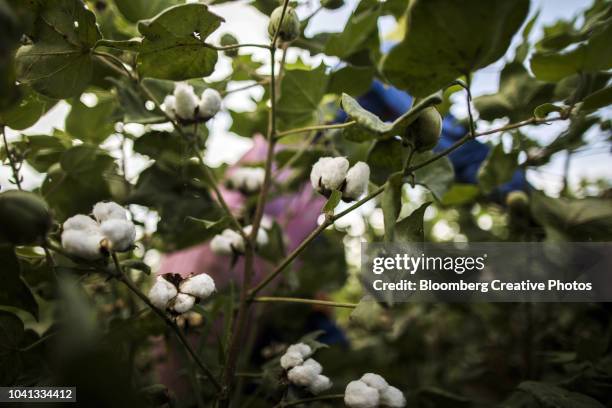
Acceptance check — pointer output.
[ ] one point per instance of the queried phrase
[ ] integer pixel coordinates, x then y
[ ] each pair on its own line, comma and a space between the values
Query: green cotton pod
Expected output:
332, 4
290, 29
517, 200
24, 218
425, 131
226, 40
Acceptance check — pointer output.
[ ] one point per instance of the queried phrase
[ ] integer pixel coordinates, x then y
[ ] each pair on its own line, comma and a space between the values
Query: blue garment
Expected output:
389, 103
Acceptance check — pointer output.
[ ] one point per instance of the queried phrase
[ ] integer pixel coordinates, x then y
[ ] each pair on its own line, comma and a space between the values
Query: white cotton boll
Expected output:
267, 222
83, 243
109, 211
80, 222
314, 364
359, 395
357, 180
374, 381
200, 286
328, 173
183, 303
291, 359
228, 242
186, 101
302, 375
319, 384
262, 236
303, 349
392, 398
162, 292
210, 103
247, 179
170, 105
120, 233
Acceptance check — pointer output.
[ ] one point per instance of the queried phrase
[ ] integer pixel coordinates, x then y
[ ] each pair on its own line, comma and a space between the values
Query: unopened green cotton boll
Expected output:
332, 4
517, 200
290, 28
228, 39
425, 131
24, 218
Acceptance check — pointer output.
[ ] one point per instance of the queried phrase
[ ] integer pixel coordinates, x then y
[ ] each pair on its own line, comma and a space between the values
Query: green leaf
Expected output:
370, 315
136, 264
14, 292
12, 333
351, 79
370, 126
460, 194
300, 95
59, 63
552, 396
132, 104
438, 176
591, 56
385, 158
410, 229
361, 26
543, 110
136, 10
597, 100
92, 124
497, 169
391, 204
213, 227
588, 219
26, 112
42, 151
173, 46
446, 39
518, 95
332, 202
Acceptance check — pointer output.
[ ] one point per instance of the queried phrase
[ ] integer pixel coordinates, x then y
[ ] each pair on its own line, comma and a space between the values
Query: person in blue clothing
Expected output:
388, 103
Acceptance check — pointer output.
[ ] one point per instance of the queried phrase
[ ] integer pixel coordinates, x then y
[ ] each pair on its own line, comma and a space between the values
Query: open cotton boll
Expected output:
200, 286
185, 102
313, 364
120, 233
262, 236
80, 222
169, 105
183, 303
109, 211
291, 359
83, 243
359, 395
374, 381
302, 375
392, 397
162, 292
357, 180
247, 179
226, 243
329, 173
319, 384
303, 349
210, 103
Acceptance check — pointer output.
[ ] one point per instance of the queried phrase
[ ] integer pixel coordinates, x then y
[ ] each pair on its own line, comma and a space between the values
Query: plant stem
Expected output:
307, 400
9, 156
316, 127
273, 299
244, 88
234, 46
169, 322
114, 63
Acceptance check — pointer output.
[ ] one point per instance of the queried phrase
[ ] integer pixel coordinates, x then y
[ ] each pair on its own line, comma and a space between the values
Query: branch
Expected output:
9, 156
169, 322
316, 127
270, 299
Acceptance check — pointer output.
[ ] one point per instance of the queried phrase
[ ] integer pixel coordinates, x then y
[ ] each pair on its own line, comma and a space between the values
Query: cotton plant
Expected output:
177, 295
372, 391
185, 105
230, 242
304, 371
333, 173
92, 238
